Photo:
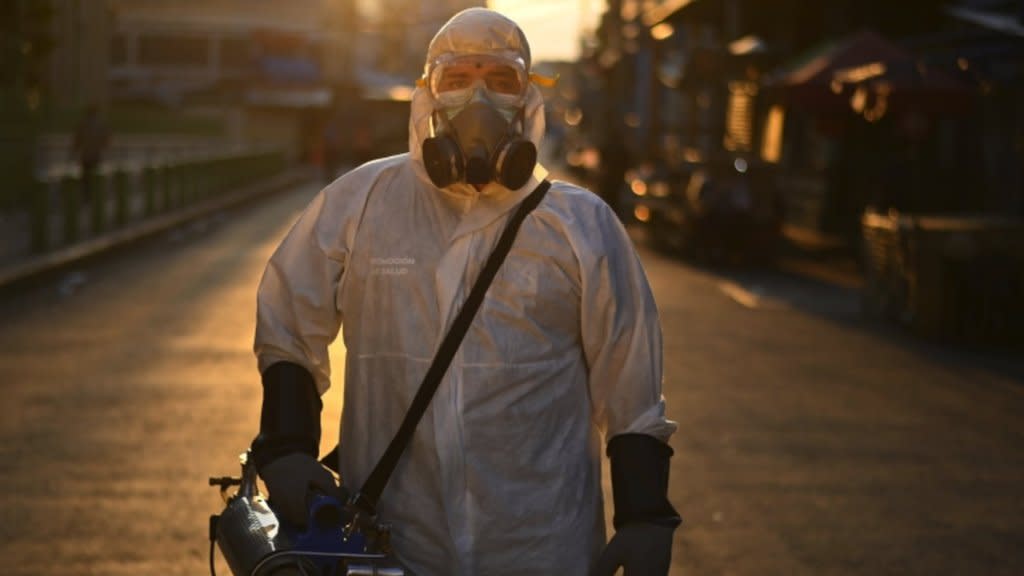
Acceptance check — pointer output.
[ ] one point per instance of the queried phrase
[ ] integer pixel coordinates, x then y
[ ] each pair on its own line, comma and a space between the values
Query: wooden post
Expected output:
121, 197
70, 188
98, 202
40, 216
149, 184
166, 184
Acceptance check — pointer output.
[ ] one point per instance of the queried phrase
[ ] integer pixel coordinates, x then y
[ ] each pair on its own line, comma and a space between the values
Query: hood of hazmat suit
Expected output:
503, 475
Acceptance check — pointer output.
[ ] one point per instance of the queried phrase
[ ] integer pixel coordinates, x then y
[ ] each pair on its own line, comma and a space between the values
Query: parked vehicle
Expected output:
714, 212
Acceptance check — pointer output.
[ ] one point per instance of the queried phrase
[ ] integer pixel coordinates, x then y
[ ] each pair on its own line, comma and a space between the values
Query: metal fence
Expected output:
64, 209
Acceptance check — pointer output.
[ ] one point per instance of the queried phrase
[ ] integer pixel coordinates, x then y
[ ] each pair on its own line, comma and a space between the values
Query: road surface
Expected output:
809, 442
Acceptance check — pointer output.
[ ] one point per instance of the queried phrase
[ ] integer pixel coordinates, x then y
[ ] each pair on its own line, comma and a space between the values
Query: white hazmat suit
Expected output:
503, 474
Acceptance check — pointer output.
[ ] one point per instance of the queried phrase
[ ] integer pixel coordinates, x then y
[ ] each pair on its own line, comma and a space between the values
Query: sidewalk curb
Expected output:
820, 257
62, 257
827, 273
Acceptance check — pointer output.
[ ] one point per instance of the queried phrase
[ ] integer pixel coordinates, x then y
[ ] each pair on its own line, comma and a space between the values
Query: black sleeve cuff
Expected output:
290, 417
640, 466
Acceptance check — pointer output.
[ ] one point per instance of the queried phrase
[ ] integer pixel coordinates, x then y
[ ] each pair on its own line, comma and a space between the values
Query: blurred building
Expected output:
28, 30
388, 52
290, 63
170, 51
80, 57
986, 41
395, 34
692, 82
249, 71
264, 68
891, 130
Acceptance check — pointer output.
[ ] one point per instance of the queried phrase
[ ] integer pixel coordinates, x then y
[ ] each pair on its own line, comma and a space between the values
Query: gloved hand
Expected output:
642, 549
644, 518
285, 450
292, 480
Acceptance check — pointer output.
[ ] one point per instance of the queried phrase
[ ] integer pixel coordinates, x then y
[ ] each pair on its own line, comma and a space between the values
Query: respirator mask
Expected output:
477, 125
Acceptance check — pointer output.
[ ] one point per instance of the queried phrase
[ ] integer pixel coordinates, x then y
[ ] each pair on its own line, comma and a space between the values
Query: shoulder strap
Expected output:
368, 496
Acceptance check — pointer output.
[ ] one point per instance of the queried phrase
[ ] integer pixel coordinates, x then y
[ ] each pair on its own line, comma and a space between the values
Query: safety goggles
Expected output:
453, 81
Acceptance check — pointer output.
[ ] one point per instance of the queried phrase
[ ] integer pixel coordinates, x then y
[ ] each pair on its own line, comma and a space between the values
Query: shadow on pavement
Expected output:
828, 287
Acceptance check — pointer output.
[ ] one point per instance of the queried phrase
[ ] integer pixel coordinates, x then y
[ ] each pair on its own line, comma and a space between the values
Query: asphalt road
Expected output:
809, 441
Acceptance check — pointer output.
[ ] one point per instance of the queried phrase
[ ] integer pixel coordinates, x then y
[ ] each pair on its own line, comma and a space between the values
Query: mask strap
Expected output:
544, 81
520, 119
440, 123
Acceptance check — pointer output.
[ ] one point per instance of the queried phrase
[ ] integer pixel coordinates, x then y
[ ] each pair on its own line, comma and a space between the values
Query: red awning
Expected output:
865, 66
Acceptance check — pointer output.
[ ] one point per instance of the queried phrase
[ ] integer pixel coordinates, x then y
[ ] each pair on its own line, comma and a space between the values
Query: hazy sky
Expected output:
552, 26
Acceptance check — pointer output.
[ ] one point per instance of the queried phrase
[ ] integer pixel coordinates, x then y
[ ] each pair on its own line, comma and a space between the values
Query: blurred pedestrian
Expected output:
89, 143
333, 147
362, 140
564, 356
614, 163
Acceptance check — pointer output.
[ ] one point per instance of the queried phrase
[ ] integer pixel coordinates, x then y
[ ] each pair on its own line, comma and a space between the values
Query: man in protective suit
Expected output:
503, 473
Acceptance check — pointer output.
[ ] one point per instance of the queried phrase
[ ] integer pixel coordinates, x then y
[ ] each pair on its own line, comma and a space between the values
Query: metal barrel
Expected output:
247, 532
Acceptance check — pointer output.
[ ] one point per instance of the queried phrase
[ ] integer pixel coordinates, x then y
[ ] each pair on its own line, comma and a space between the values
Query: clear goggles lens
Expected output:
454, 81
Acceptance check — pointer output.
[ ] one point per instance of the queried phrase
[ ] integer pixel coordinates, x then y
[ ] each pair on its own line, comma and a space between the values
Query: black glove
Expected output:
643, 549
644, 519
285, 450
292, 481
